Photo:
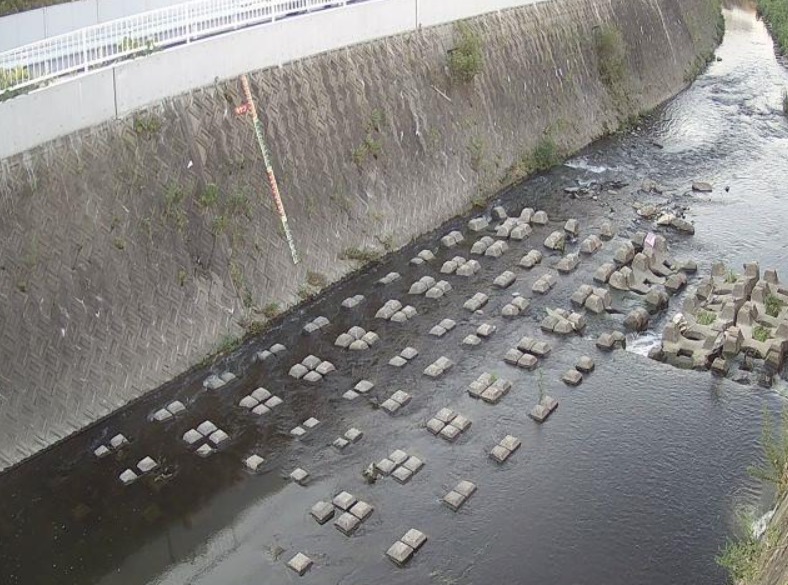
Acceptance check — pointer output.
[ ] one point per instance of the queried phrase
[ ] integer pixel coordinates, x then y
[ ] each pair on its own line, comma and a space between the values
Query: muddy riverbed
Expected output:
635, 478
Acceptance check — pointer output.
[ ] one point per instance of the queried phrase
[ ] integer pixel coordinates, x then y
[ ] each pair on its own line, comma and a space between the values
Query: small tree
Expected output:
466, 60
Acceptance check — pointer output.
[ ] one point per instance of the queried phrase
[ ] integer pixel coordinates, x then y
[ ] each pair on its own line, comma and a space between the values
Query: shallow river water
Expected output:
636, 478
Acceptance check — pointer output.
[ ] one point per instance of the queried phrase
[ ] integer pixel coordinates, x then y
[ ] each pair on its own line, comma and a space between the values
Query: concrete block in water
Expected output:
505, 279
385, 466
361, 510
604, 271
572, 227
300, 563
572, 377
637, 320
343, 340
520, 232
454, 500
299, 476
402, 474
322, 512
555, 241
147, 464
298, 371
526, 214
254, 462
192, 436
344, 500
477, 224
471, 341
347, 523
400, 553
486, 329
607, 231
585, 365
568, 263
312, 377
531, 259
581, 294
591, 245
625, 254
204, 450
539, 218
127, 477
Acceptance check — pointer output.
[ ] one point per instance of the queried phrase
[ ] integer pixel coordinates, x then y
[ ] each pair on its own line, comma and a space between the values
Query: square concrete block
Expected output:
204, 450
492, 395
273, 402
413, 464
450, 433
191, 437
298, 371
448, 324
218, 437
311, 362
254, 462
390, 406
344, 340
118, 441
435, 426
353, 435
322, 512
401, 396
414, 539
454, 500
248, 402
485, 330
510, 443
471, 341
572, 377
585, 365
299, 476
361, 510
528, 362
385, 466
127, 477
206, 427
437, 331
325, 368
277, 348
500, 454
350, 395
312, 377
398, 457
466, 488
161, 415
402, 474
147, 464
297, 432
322, 322
344, 500
461, 422
409, 353
310, 423
400, 553
260, 410
433, 371
300, 563
398, 361
101, 451
176, 407
445, 415
364, 386
340, 443
347, 523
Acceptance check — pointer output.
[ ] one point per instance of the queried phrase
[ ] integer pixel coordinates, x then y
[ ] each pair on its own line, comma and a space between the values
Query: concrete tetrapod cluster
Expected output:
731, 317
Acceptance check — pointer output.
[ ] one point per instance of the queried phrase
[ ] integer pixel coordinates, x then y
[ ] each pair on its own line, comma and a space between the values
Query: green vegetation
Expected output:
182, 276
476, 149
228, 343
743, 557
146, 125
611, 55
304, 292
785, 102
761, 333
173, 206
773, 305
360, 255
731, 277
9, 77
316, 279
706, 318
271, 310
371, 146
119, 243
465, 60
774, 469
209, 197
775, 13
253, 328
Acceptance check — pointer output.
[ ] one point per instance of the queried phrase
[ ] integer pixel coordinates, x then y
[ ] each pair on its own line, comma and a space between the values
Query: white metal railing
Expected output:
95, 46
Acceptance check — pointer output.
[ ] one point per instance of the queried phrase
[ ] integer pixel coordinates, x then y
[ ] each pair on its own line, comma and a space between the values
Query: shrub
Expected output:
271, 310
773, 305
362, 255
611, 56
466, 60
316, 279
706, 318
761, 333
775, 13
209, 197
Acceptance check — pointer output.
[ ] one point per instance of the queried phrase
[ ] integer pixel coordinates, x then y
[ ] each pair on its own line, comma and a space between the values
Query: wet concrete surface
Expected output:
634, 479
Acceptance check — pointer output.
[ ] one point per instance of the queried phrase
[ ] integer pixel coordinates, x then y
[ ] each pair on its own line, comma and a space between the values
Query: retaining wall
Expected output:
116, 278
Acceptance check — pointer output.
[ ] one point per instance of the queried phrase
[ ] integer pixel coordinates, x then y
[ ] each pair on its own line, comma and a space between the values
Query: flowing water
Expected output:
635, 479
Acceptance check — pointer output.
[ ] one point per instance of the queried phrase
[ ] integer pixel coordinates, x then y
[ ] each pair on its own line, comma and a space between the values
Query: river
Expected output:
637, 477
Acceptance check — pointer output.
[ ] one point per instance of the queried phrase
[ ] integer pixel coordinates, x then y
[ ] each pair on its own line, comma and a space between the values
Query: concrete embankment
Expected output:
131, 250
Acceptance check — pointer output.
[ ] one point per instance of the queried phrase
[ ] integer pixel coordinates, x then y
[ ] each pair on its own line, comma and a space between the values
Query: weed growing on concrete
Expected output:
173, 210
761, 333
785, 102
611, 55
238, 205
774, 469
146, 125
375, 122
706, 318
775, 13
742, 557
731, 277
360, 255
271, 310
209, 197
465, 60
316, 279
228, 343
386, 241
371, 146
21, 286
304, 292
119, 243
219, 225
476, 148
182, 276
253, 328
773, 305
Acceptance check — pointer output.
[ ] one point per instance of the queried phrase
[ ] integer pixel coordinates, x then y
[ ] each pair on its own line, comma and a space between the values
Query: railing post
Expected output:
85, 49
188, 24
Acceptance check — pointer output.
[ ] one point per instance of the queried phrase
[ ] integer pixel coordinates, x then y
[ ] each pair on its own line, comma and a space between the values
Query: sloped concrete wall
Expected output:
115, 278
